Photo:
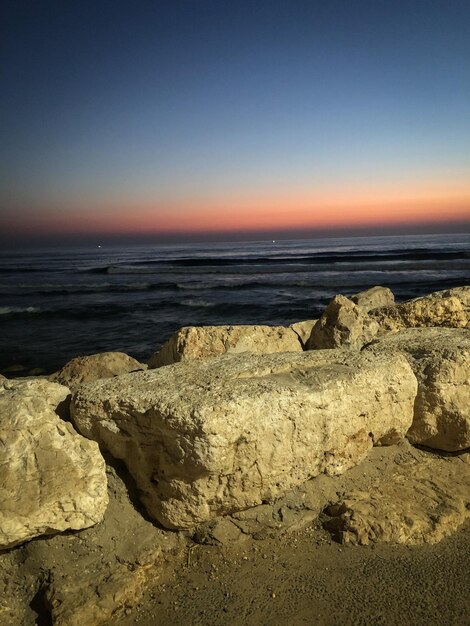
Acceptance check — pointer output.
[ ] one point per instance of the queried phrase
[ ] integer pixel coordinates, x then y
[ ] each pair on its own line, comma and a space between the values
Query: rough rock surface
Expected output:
84, 369
303, 330
201, 342
449, 308
343, 323
209, 437
419, 503
374, 297
51, 478
440, 358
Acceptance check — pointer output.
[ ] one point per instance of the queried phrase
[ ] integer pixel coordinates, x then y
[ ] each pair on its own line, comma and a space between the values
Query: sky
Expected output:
189, 118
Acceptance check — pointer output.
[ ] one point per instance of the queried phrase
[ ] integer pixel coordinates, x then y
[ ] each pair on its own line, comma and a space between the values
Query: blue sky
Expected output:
154, 103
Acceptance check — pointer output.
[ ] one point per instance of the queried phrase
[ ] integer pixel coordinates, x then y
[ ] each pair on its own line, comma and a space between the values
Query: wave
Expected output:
121, 269
104, 288
341, 282
320, 258
336, 281
295, 263
122, 309
8, 269
11, 310
69, 289
106, 309
198, 304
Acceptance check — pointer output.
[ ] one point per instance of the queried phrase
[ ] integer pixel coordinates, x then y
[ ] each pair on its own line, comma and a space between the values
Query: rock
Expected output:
303, 330
221, 531
440, 358
85, 369
343, 323
202, 342
208, 437
374, 297
419, 503
450, 308
51, 478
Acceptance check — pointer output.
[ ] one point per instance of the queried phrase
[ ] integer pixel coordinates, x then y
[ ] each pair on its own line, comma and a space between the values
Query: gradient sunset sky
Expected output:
200, 117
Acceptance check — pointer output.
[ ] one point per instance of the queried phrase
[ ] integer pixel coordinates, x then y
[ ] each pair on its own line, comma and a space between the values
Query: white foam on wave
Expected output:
193, 286
197, 303
8, 310
131, 269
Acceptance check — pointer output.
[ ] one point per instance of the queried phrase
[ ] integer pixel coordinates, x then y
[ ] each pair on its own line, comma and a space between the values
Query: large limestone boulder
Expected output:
209, 437
440, 358
343, 323
85, 369
202, 342
51, 478
374, 297
450, 308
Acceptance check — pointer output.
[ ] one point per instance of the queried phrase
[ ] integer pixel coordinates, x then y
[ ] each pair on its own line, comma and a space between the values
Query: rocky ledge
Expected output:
232, 433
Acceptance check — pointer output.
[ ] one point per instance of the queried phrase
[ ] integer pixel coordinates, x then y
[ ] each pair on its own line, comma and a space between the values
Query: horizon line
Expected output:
459, 227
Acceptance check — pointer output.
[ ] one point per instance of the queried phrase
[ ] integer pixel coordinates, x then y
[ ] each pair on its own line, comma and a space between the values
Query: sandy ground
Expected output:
307, 579
284, 568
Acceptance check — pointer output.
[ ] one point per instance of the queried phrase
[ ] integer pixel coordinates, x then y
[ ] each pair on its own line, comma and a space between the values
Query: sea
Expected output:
58, 303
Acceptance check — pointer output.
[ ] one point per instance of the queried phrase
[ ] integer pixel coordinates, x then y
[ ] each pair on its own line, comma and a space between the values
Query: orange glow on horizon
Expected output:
255, 212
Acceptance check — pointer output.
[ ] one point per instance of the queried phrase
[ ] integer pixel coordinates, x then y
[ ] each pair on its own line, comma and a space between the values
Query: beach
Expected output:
123, 572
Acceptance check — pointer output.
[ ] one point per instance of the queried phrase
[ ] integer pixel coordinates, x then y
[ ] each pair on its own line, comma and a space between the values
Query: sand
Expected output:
307, 579
127, 571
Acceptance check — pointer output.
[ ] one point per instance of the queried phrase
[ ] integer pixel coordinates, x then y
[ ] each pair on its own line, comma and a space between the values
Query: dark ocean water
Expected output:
56, 304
